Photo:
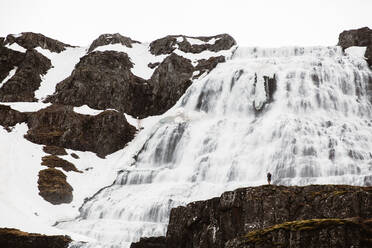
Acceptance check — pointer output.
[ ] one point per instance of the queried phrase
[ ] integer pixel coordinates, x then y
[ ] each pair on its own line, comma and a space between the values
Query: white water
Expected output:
317, 130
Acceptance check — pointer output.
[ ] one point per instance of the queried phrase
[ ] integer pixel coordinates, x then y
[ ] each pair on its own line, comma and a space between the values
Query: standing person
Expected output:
269, 178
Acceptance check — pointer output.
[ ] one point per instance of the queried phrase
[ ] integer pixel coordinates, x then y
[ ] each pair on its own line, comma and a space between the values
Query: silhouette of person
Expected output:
269, 178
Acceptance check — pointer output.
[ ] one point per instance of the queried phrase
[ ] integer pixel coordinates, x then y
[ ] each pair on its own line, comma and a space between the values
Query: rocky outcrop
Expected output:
169, 43
106, 39
314, 233
9, 59
10, 117
251, 211
53, 161
53, 186
14, 238
110, 83
55, 150
31, 40
21, 87
59, 125
357, 37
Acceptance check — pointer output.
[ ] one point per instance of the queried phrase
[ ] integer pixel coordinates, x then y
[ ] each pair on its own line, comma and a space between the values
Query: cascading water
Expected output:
223, 134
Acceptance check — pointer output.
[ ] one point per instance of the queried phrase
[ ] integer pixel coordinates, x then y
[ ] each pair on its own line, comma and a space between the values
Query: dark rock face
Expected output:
237, 213
53, 186
14, 238
357, 37
106, 39
31, 40
10, 117
21, 87
59, 125
109, 81
314, 233
152, 242
168, 44
55, 150
8, 60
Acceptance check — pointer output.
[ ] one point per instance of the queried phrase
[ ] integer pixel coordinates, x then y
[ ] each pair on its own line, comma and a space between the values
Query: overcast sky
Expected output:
251, 22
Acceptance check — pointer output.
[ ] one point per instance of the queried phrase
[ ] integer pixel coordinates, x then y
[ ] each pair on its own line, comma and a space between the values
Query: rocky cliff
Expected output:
273, 216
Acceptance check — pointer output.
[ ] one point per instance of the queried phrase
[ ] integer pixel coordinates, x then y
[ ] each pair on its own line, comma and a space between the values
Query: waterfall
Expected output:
302, 114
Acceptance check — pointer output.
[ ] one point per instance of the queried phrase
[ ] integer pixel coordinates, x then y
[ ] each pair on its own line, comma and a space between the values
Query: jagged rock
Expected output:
31, 40
9, 59
55, 150
21, 87
169, 43
211, 223
14, 238
10, 117
357, 37
170, 81
109, 81
53, 161
53, 186
314, 233
106, 39
59, 125
206, 65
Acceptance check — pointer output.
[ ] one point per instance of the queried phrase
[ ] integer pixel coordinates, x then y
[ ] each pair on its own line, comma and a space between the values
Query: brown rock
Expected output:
55, 150
14, 238
21, 87
53, 161
53, 186
74, 155
106, 39
31, 40
9, 59
60, 126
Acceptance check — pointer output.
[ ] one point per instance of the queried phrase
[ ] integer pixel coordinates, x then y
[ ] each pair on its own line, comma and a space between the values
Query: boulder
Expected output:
14, 238
59, 125
31, 40
214, 222
53, 161
21, 87
53, 186
106, 39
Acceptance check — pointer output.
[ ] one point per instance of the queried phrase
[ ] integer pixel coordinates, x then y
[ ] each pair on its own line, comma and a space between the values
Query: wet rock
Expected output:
59, 125
357, 37
53, 161
169, 43
31, 40
53, 186
55, 150
10, 117
106, 39
14, 238
21, 87
237, 213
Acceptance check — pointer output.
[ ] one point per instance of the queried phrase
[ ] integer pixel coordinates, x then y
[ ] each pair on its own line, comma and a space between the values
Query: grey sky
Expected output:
250, 22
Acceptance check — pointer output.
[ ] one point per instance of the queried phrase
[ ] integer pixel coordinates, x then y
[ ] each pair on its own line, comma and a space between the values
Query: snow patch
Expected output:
63, 64
356, 51
194, 41
16, 47
10, 75
26, 106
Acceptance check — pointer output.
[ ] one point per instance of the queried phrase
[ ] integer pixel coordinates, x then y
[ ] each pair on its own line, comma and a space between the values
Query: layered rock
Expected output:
53, 186
30, 40
14, 238
106, 39
357, 37
59, 125
27, 78
250, 211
